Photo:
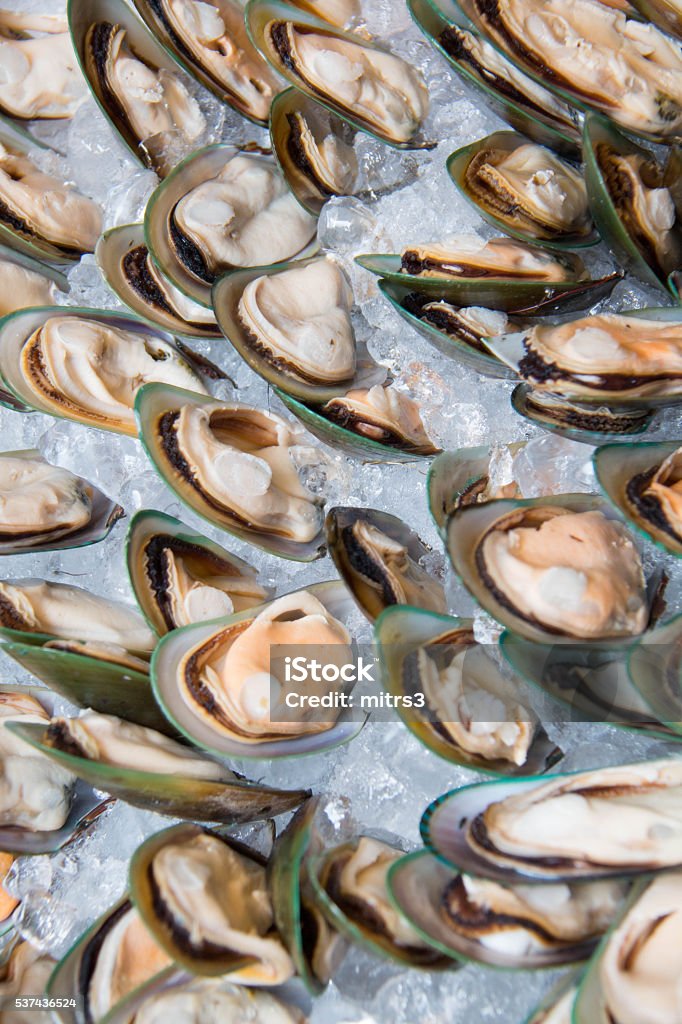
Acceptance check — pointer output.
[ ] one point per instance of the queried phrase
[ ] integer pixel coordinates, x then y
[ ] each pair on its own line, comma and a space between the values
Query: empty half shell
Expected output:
180, 577
381, 561
47, 508
124, 259
314, 148
372, 88
234, 465
211, 41
228, 691
453, 695
551, 567
525, 189
138, 86
513, 927
86, 365
40, 76
167, 778
220, 210
204, 898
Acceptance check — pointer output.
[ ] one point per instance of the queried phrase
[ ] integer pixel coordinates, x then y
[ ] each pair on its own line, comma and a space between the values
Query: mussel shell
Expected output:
230, 803
457, 478
172, 649
301, 182
105, 514
511, 350
535, 298
537, 125
655, 669
152, 402
111, 249
343, 439
227, 292
579, 422
457, 165
143, 898
88, 682
191, 172
399, 633
416, 884
16, 328
612, 229
149, 12
259, 13
455, 348
465, 531
147, 525
355, 931
339, 523
82, 14
586, 679
615, 466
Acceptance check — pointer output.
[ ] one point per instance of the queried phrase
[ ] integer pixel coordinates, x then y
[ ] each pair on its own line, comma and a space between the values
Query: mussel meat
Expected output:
470, 256
383, 414
38, 68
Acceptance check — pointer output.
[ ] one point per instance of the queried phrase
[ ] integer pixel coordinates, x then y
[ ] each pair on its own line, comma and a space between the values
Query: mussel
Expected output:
592, 424
336, 12
185, 1001
470, 476
221, 210
369, 86
38, 68
27, 282
211, 40
25, 974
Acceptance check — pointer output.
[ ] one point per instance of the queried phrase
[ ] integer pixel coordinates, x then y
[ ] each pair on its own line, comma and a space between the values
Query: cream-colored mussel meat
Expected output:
38, 500
245, 216
471, 256
21, 287
146, 280
300, 320
39, 207
324, 160
476, 706
382, 414
35, 793
574, 573
641, 966
240, 460
92, 370
214, 36
39, 74
213, 897
25, 974
228, 680
382, 89
213, 1000
657, 495
336, 12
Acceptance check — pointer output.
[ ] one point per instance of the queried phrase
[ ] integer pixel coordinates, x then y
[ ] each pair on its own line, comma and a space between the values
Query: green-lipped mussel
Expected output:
470, 476
39, 76
591, 424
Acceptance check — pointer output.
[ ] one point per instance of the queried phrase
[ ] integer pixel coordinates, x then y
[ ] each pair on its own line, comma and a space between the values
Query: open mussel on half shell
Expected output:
615, 822
211, 41
167, 778
624, 360
204, 898
40, 79
314, 148
138, 86
526, 190
453, 695
87, 365
126, 264
551, 568
513, 926
521, 101
292, 324
180, 577
636, 201
25, 971
25, 282
634, 977
590, 424
222, 210
372, 88
501, 273
46, 508
593, 55
234, 465
349, 884
471, 476
644, 481
655, 670
315, 947
381, 561
226, 686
